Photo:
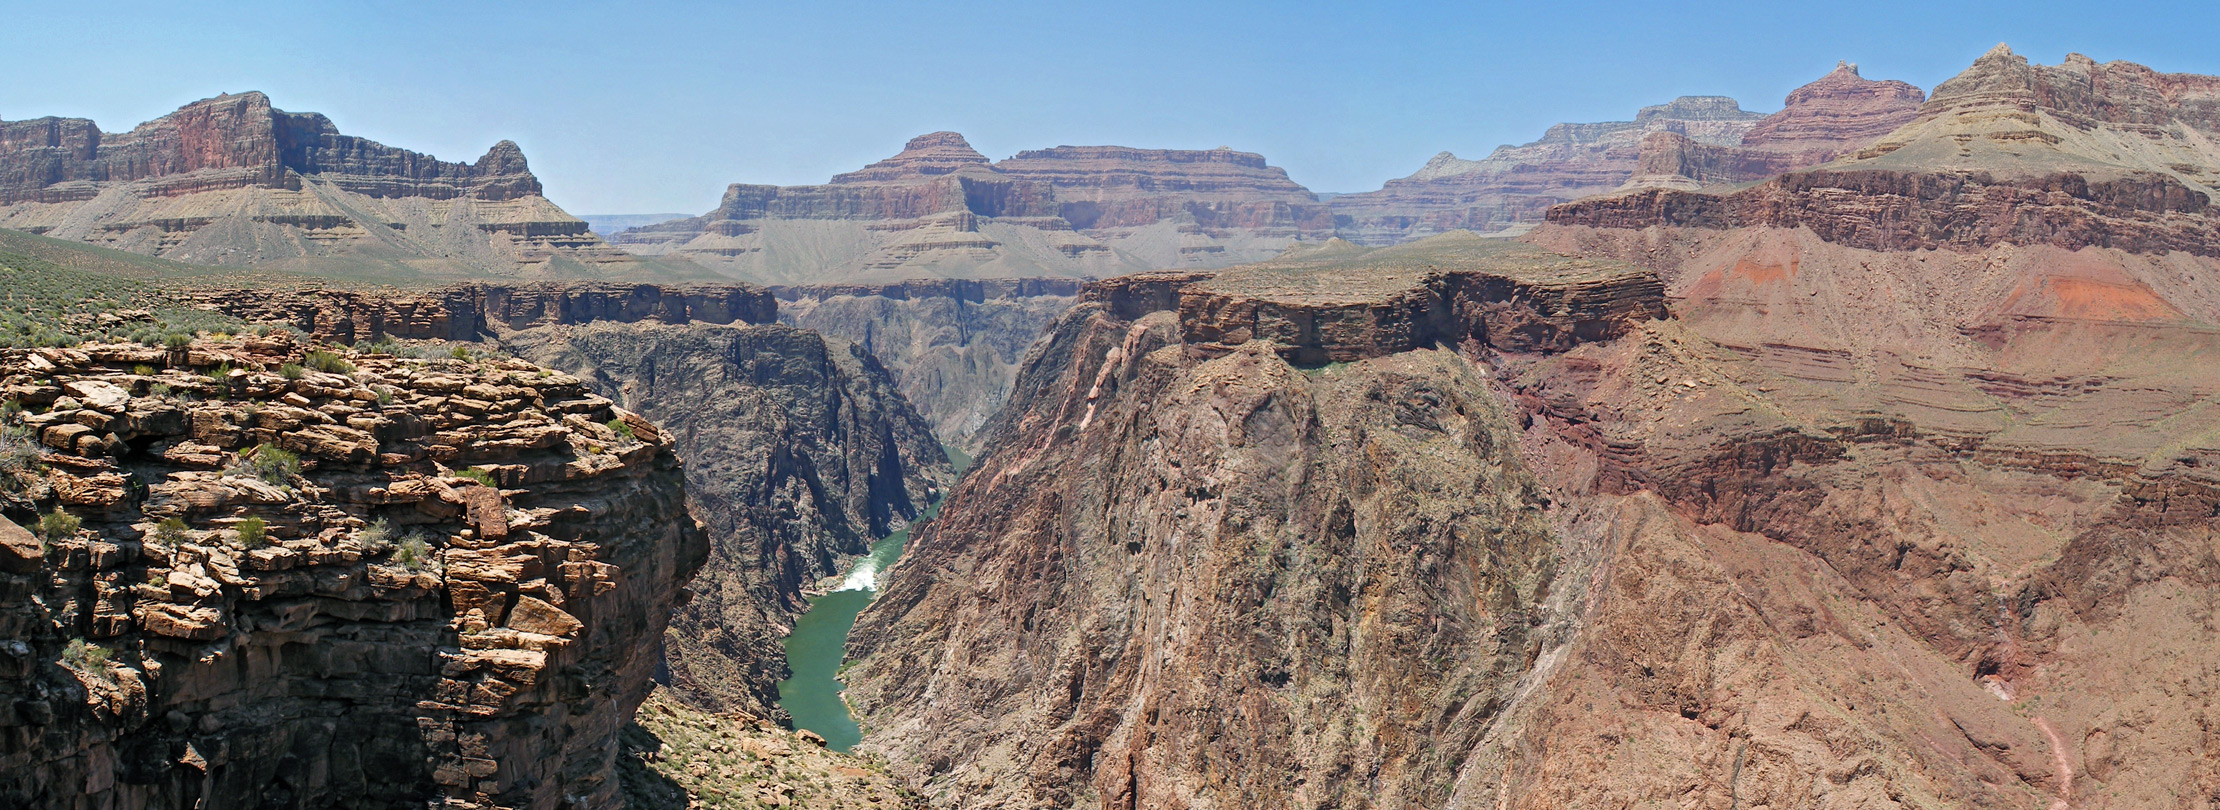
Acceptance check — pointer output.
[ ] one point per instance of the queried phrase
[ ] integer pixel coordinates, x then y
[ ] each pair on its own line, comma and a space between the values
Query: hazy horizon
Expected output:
625, 109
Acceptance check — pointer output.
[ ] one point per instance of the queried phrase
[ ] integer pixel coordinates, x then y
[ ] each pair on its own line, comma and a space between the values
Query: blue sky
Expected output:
653, 107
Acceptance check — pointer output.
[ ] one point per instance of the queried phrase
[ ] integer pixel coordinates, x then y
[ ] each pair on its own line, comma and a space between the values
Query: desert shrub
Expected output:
413, 552
85, 655
292, 371
376, 537
58, 524
329, 363
171, 531
273, 464
623, 430
19, 451
158, 390
177, 341
478, 475
459, 353
143, 370
253, 532
385, 395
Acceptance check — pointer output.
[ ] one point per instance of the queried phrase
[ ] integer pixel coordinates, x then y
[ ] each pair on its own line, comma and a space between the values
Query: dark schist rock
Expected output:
399, 634
953, 345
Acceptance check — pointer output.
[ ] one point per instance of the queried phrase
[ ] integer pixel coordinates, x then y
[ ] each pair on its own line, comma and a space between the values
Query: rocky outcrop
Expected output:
940, 209
412, 582
678, 758
234, 181
1195, 581
952, 345
801, 450
1516, 184
466, 312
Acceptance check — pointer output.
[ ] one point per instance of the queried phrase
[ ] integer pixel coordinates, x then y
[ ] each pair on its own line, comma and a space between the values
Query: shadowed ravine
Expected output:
816, 648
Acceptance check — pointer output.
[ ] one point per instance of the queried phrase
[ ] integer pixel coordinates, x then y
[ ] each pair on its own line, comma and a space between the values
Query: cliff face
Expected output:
272, 590
953, 346
233, 181
1188, 573
800, 449
800, 452
939, 209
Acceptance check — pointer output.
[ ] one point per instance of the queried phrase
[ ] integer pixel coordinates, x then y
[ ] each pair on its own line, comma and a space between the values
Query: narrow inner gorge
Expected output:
817, 649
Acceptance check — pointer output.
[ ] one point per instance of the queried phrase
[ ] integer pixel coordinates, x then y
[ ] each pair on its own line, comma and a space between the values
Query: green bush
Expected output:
459, 353
158, 390
253, 532
84, 655
329, 363
58, 524
171, 531
478, 475
143, 370
623, 429
413, 552
385, 395
376, 537
19, 451
273, 464
177, 341
292, 371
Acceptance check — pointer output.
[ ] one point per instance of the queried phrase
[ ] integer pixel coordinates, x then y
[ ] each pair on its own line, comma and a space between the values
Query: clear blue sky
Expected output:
653, 107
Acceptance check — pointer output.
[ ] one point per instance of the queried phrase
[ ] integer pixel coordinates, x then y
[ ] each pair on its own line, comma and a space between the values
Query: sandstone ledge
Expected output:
483, 652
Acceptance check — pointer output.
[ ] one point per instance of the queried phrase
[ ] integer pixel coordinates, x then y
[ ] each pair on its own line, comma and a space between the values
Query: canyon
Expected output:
1857, 455
1846, 493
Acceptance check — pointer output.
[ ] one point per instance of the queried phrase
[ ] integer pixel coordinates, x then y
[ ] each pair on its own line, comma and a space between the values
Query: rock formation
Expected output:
1839, 114
405, 583
1186, 568
799, 453
1516, 184
2076, 155
800, 450
1691, 143
233, 181
953, 346
941, 209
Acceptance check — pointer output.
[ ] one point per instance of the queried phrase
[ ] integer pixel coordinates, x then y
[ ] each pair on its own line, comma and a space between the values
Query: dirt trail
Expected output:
2058, 758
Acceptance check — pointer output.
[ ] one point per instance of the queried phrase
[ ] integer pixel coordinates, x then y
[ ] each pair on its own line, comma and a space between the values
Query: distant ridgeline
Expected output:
233, 181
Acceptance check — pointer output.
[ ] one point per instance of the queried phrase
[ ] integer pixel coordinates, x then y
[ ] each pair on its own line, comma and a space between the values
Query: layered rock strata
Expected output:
1516, 184
2008, 153
801, 450
252, 585
1837, 115
233, 181
1686, 145
940, 209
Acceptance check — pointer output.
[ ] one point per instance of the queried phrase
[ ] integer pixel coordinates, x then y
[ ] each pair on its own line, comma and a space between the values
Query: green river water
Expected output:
819, 643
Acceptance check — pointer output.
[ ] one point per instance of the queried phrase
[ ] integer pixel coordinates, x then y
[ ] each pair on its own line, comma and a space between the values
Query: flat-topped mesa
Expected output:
940, 209
2075, 155
1219, 190
1328, 306
1515, 185
380, 584
1837, 115
467, 312
236, 181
